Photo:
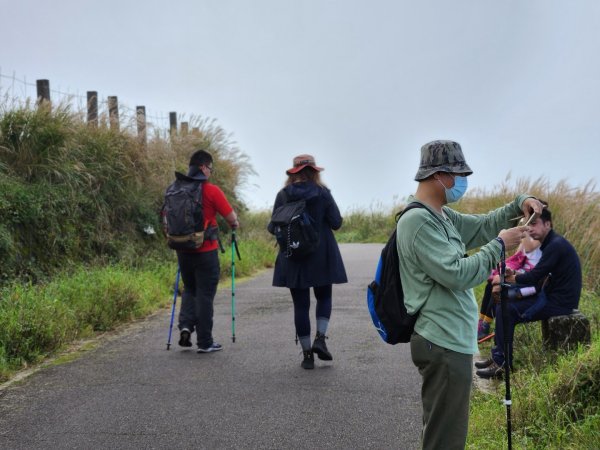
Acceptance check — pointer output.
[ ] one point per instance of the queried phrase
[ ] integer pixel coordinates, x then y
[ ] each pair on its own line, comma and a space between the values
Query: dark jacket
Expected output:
325, 265
560, 259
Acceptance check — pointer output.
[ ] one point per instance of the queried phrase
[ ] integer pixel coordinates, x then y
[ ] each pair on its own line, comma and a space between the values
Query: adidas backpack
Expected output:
182, 214
385, 298
295, 230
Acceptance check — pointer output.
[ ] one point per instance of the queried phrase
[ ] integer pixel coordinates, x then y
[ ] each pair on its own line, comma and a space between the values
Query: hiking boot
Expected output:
320, 348
492, 371
184, 338
214, 347
483, 329
309, 360
484, 364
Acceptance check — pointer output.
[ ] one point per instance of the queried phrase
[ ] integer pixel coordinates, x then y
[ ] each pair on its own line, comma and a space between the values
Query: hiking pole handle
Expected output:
235, 244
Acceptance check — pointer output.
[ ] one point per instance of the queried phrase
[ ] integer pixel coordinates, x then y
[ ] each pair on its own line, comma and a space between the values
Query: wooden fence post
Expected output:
43, 91
92, 108
113, 112
184, 128
196, 131
140, 112
173, 123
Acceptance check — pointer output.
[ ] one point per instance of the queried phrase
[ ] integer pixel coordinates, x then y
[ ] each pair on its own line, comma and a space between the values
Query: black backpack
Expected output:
182, 213
385, 298
295, 230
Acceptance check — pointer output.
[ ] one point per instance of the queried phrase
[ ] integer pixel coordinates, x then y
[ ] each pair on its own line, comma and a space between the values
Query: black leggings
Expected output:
301, 298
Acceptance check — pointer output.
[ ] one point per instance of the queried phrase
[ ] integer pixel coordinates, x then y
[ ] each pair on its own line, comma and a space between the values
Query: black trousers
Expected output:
200, 274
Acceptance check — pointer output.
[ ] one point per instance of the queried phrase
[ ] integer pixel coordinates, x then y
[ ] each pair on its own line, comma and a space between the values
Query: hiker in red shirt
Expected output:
200, 268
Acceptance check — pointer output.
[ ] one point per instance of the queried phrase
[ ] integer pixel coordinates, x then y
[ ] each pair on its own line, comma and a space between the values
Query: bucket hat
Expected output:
302, 161
442, 156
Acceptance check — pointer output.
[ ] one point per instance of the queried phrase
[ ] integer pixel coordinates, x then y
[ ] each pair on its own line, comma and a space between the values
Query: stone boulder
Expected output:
566, 332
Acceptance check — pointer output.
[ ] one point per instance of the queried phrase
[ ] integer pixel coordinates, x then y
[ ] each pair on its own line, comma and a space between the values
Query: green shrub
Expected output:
32, 323
36, 320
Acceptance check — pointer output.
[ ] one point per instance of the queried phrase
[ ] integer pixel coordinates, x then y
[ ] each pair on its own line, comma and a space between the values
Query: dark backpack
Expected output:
295, 230
385, 298
182, 213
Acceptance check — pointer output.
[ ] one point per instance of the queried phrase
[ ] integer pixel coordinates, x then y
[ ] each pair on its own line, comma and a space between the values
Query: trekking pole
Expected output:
175, 292
234, 249
507, 356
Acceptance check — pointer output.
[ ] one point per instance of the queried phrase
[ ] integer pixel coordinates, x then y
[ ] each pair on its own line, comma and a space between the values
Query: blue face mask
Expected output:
455, 193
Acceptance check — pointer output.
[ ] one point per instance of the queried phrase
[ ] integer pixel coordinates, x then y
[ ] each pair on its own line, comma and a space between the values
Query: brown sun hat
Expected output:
302, 161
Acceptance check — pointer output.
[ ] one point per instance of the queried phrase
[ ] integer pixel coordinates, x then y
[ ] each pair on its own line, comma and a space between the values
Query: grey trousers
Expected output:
447, 378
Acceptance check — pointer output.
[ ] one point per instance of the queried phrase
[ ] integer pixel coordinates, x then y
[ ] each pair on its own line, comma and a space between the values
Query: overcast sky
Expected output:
360, 84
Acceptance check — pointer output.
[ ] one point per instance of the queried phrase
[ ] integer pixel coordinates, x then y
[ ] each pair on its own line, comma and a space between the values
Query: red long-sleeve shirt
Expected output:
213, 202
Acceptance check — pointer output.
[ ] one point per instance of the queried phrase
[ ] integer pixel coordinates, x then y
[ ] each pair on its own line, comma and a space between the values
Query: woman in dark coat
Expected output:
318, 270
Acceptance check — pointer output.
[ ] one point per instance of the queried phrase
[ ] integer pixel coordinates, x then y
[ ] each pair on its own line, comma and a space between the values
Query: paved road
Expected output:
132, 393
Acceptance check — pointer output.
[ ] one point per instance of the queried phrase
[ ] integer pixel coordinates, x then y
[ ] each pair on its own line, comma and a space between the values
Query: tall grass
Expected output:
366, 225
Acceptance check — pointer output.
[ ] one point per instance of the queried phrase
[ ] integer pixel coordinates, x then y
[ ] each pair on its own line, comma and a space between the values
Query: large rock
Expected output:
565, 332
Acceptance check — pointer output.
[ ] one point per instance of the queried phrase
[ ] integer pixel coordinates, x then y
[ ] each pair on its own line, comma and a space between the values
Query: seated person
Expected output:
560, 265
525, 258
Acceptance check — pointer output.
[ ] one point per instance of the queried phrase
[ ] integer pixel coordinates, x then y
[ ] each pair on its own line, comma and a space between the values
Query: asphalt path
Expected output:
129, 392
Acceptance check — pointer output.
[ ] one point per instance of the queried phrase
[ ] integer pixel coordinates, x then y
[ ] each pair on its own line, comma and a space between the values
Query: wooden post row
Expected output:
92, 108
173, 123
43, 91
141, 123
113, 112
43, 95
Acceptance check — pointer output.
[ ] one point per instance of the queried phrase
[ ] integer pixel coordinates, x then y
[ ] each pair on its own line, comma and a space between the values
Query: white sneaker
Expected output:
214, 347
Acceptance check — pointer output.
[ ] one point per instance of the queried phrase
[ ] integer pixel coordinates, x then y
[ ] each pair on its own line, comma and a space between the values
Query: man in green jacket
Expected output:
437, 280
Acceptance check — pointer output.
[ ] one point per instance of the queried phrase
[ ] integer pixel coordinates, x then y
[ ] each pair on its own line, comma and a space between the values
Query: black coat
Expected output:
325, 265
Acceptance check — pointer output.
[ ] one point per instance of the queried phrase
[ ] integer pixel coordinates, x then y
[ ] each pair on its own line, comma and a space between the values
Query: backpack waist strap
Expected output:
210, 234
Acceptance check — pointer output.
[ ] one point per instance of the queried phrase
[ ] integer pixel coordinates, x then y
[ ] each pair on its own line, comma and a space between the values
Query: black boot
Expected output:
320, 348
309, 360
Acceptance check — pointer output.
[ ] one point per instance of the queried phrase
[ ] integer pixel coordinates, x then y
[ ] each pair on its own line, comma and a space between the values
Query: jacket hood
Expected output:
195, 173
296, 191
180, 176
